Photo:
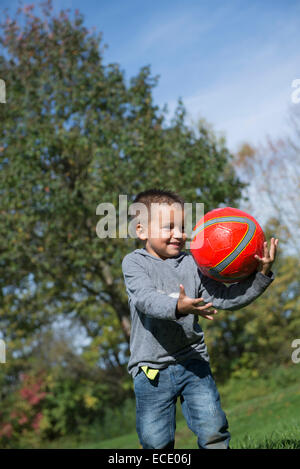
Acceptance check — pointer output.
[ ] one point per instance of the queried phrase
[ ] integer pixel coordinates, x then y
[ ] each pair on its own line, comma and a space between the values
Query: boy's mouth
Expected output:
175, 244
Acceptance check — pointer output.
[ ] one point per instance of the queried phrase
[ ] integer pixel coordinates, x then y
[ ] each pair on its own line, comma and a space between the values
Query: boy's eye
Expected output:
170, 227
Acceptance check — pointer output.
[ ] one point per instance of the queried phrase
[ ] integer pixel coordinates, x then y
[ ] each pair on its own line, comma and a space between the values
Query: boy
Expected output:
167, 293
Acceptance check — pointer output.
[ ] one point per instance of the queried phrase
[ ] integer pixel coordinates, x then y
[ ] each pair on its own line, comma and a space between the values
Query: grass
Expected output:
262, 414
270, 421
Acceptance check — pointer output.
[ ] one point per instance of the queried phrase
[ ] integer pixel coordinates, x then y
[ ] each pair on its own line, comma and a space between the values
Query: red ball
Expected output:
224, 243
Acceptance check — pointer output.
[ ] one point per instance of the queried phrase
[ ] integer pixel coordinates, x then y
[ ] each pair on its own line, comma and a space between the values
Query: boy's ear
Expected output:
141, 232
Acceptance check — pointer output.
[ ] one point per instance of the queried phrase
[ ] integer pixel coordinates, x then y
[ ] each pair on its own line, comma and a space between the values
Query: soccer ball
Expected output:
224, 243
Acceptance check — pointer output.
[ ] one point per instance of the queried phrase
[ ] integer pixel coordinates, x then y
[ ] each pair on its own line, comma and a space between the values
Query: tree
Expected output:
272, 174
73, 135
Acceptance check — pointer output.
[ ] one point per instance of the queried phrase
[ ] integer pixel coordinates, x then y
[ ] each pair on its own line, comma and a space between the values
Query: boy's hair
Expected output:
156, 196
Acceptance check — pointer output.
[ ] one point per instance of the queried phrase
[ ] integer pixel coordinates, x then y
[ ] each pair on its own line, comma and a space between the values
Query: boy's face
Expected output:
164, 233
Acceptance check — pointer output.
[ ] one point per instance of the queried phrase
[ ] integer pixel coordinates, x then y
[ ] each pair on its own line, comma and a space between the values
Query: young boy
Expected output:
167, 293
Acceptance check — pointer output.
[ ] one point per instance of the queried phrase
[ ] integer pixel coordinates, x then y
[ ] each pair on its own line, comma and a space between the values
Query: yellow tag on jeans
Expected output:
149, 372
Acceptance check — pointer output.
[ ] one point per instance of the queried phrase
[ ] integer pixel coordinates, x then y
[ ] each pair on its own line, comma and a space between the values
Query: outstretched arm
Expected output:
237, 295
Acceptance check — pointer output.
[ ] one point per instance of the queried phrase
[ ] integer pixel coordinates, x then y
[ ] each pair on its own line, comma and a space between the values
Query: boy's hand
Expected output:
265, 263
187, 305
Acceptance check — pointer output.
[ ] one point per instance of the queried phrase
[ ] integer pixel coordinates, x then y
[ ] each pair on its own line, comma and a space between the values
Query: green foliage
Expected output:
273, 379
50, 406
74, 133
117, 420
22, 417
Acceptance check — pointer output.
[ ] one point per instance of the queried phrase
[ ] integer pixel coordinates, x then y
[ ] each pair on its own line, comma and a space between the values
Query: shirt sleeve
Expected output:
235, 296
143, 294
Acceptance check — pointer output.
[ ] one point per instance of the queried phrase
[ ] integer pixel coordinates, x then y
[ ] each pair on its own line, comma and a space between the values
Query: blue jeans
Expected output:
200, 401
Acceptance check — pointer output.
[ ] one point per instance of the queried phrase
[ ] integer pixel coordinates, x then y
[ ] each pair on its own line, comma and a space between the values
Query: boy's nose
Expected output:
177, 233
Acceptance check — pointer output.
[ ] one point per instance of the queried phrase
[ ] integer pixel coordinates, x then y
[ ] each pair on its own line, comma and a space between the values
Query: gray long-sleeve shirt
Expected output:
158, 337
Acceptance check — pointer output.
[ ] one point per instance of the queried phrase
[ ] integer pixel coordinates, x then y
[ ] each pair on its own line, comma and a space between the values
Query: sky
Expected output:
232, 63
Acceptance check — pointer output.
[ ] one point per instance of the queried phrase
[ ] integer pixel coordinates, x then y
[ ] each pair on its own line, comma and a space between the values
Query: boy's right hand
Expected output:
187, 305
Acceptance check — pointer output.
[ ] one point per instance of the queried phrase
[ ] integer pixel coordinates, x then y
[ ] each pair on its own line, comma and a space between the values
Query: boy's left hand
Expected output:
265, 263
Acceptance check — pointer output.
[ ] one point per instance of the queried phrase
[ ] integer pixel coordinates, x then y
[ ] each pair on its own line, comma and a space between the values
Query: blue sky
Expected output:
232, 62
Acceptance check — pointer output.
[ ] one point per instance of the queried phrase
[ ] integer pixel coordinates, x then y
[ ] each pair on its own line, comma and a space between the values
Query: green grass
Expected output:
270, 421
262, 413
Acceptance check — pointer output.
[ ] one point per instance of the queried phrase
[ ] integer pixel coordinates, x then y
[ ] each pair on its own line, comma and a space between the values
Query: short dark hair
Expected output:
157, 196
